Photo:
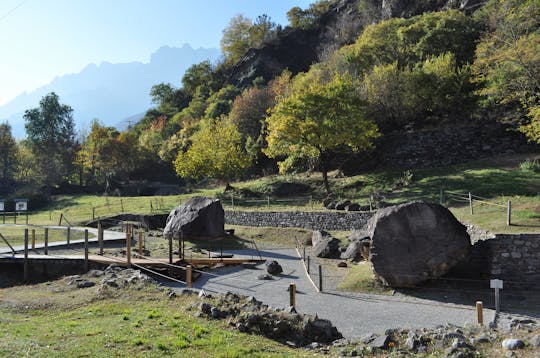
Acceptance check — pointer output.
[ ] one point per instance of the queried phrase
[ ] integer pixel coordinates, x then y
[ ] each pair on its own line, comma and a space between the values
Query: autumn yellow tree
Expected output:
316, 119
216, 152
508, 60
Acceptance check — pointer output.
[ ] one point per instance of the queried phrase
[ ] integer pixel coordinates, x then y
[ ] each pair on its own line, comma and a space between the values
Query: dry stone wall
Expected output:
451, 145
514, 258
307, 220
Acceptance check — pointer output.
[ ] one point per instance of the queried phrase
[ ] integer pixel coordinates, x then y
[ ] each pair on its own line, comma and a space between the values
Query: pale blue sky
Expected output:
42, 39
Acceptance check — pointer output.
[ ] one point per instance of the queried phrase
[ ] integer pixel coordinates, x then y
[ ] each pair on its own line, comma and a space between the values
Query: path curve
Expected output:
355, 315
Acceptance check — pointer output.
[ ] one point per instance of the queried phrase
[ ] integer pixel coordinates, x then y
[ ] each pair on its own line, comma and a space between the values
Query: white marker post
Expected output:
497, 285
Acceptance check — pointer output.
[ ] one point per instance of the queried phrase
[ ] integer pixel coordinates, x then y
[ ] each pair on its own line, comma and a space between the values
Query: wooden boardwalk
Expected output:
122, 261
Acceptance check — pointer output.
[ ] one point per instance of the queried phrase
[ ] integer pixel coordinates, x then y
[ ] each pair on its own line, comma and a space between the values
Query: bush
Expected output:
530, 166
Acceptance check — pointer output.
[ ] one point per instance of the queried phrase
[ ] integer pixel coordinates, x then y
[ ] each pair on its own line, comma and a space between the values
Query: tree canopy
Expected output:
8, 156
51, 136
216, 152
507, 61
316, 120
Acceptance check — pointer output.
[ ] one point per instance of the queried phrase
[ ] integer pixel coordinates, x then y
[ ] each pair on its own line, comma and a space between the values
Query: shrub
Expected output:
530, 166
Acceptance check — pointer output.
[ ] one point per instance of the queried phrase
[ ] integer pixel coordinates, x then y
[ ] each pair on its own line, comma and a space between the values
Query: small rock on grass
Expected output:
513, 344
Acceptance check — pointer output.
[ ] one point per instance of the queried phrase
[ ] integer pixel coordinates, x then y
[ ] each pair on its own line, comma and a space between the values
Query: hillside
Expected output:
298, 48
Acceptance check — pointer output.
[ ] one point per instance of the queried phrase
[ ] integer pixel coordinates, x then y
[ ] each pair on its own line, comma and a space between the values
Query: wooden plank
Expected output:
224, 261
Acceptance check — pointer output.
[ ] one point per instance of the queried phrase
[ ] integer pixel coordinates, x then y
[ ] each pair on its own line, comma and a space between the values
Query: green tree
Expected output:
262, 31
316, 120
216, 152
27, 165
8, 155
51, 135
197, 75
508, 61
306, 19
236, 39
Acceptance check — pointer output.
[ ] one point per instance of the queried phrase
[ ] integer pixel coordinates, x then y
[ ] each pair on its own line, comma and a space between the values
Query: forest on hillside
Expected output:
368, 73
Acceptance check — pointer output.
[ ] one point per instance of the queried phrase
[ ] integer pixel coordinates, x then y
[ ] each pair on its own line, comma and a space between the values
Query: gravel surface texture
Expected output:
355, 315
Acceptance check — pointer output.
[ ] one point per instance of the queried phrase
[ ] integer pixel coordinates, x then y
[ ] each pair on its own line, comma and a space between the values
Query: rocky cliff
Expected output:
296, 49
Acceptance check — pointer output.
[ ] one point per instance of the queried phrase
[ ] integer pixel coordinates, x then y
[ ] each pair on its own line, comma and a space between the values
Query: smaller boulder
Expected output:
380, 342
353, 251
513, 344
324, 245
342, 264
273, 268
342, 205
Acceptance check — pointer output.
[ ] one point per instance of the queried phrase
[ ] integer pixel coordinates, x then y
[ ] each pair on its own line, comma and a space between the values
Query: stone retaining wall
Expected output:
307, 220
451, 145
511, 257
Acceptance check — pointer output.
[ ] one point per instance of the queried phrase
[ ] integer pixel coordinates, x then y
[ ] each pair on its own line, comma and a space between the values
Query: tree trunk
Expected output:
325, 181
323, 157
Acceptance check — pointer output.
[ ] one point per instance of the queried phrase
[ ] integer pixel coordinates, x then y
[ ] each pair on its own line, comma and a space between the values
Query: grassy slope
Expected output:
497, 179
54, 320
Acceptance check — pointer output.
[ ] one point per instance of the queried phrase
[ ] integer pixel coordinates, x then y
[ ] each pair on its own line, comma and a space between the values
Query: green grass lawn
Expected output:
498, 180
53, 320
360, 279
15, 235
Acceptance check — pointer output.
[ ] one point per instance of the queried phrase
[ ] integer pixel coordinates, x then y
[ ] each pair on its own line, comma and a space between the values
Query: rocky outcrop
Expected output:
198, 217
296, 49
414, 242
252, 316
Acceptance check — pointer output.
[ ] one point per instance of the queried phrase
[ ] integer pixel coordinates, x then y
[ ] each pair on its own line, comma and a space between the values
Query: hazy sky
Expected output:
42, 39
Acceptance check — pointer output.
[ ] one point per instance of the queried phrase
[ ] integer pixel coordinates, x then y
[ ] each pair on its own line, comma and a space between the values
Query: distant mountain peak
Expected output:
108, 91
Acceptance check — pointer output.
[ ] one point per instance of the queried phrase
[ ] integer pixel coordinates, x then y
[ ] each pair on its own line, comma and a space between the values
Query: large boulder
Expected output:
198, 217
324, 245
414, 242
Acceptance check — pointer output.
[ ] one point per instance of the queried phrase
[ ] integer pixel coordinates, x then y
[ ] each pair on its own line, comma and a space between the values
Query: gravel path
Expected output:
355, 315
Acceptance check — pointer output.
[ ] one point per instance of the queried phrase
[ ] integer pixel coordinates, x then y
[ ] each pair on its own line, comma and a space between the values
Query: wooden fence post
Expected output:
509, 213
100, 238
60, 220
292, 295
479, 312
189, 276
320, 279
33, 239
308, 264
26, 255
27, 218
140, 242
86, 250
93, 213
68, 234
471, 203
129, 228
46, 239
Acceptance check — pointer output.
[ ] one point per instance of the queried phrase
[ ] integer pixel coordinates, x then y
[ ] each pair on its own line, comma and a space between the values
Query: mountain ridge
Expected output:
111, 92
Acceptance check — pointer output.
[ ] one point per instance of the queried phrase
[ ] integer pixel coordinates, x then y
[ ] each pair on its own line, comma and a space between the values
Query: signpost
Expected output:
21, 205
497, 285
